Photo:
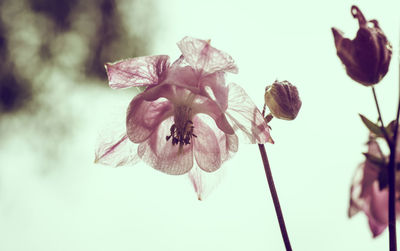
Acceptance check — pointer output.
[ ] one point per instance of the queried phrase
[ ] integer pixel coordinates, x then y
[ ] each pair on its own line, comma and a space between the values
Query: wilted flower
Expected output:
369, 192
186, 111
367, 57
282, 99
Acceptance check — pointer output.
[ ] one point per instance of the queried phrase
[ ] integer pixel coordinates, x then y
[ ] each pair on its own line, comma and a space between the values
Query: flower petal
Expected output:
206, 146
117, 152
144, 117
162, 155
203, 57
378, 209
141, 71
183, 76
214, 87
204, 182
356, 202
245, 117
210, 107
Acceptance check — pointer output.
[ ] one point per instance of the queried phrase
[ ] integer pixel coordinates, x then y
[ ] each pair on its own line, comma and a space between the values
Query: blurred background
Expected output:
55, 103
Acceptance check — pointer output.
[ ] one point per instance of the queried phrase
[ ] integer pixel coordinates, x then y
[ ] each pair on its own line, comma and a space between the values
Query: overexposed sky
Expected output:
83, 206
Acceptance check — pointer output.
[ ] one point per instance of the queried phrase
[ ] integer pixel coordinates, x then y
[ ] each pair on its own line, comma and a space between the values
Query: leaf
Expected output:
375, 160
390, 129
372, 127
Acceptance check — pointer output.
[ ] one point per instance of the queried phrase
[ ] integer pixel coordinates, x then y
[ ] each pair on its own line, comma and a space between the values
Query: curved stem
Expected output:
275, 198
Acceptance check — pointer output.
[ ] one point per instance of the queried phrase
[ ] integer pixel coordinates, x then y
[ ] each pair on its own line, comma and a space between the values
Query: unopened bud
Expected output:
282, 99
367, 57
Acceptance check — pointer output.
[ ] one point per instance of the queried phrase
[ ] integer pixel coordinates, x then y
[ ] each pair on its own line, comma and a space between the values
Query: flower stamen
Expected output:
181, 131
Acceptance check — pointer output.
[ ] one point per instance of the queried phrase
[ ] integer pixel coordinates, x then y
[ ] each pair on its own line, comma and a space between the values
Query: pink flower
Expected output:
186, 112
366, 194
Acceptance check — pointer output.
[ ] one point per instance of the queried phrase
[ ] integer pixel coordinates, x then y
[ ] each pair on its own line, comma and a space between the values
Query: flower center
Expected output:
181, 131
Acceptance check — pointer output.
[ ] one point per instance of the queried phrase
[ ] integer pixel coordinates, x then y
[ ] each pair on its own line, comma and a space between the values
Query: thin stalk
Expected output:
380, 118
391, 175
392, 180
275, 198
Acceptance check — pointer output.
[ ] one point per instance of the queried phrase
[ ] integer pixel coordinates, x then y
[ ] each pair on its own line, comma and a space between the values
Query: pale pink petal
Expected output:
357, 203
140, 71
204, 182
144, 117
228, 143
117, 152
366, 197
197, 181
183, 76
205, 58
245, 117
208, 106
162, 155
213, 86
206, 146
376, 227
378, 210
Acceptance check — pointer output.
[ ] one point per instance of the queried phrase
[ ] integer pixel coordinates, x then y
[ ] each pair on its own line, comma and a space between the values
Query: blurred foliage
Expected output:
76, 38
51, 49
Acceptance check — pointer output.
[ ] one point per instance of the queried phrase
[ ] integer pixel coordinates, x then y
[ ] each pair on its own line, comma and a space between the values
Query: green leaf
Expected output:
372, 127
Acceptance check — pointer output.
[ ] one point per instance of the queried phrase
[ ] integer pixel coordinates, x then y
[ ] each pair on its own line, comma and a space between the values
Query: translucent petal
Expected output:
245, 118
140, 71
204, 182
162, 155
205, 58
210, 107
144, 117
206, 146
118, 151
213, 86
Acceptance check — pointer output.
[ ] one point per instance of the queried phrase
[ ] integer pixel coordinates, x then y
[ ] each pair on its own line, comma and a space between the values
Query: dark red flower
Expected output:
367, 57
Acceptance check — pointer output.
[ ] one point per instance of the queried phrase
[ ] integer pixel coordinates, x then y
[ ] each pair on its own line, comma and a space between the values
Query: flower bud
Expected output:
367, 57
282, 99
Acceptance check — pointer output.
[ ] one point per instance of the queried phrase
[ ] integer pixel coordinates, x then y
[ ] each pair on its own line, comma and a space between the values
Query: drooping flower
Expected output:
186, 112
367, 57
369, 192
282, 99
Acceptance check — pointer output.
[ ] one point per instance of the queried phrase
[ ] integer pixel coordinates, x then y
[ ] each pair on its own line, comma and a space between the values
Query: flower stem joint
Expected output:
368, 55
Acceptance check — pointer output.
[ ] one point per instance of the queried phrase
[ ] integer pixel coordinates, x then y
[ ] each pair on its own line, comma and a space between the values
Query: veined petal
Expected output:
204, 182
228, 143
144, 117
208, 106
206, 146
203, 57
245, 117
162, 155
140, 71
214, 87
183, 76
117, 152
